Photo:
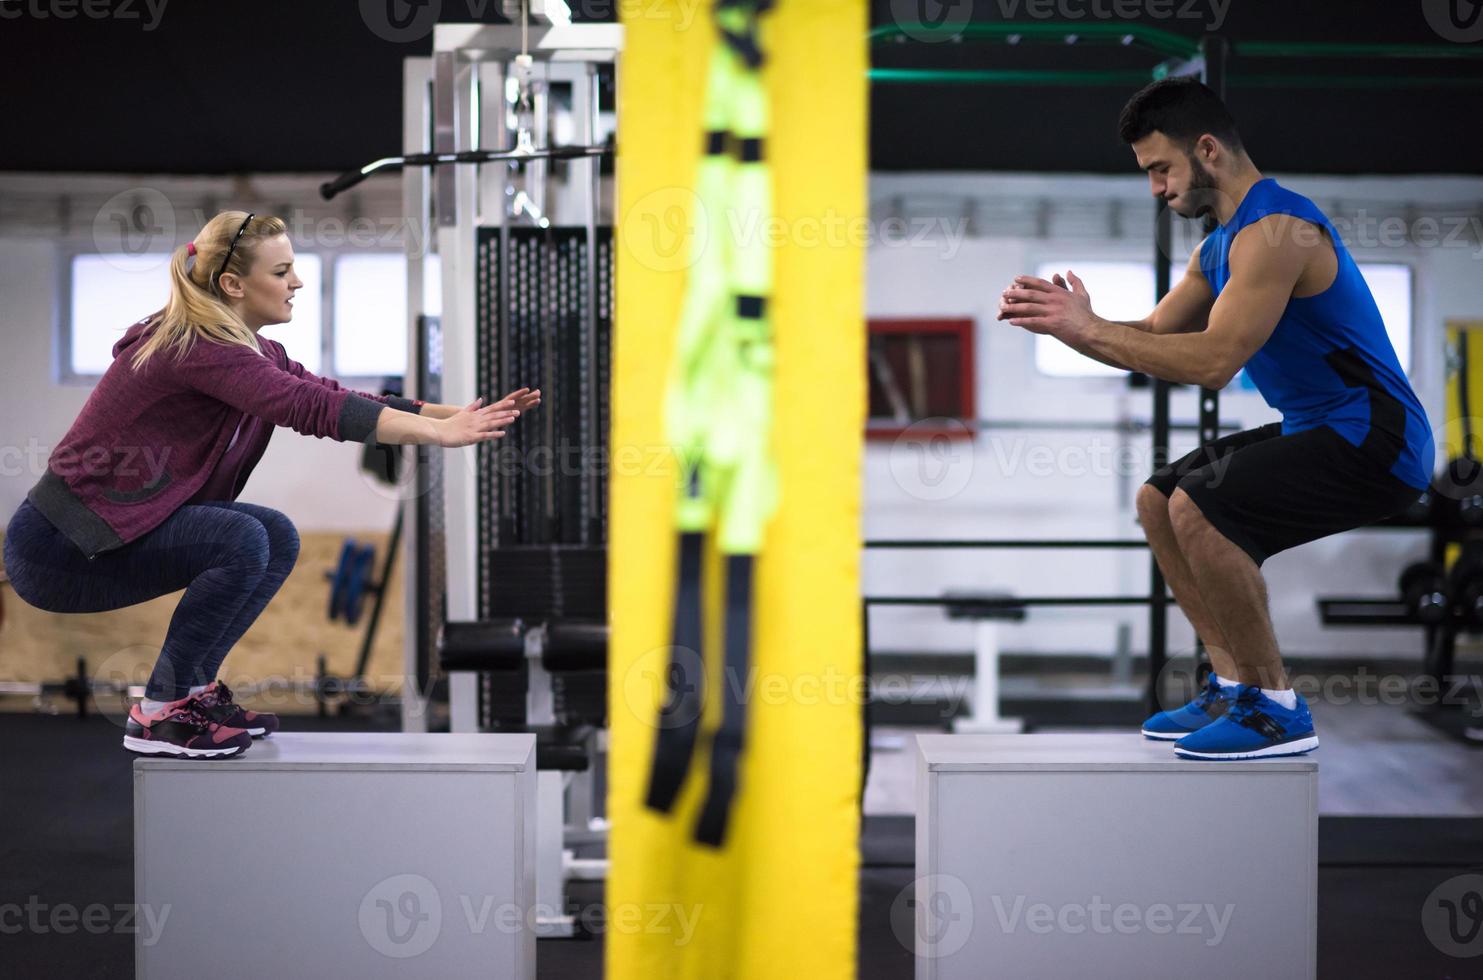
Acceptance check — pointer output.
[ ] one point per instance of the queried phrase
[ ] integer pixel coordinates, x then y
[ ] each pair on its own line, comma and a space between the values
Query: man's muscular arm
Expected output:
1185, 308
1266, 261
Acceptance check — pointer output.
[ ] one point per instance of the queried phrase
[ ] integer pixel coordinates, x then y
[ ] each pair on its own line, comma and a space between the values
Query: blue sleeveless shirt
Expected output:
1329, 360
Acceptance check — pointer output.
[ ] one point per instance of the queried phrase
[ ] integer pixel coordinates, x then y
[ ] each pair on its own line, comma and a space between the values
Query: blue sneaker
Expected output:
1209, 706
1255, 727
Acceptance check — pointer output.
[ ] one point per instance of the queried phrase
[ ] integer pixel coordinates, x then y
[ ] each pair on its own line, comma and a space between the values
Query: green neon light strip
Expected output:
1326, 49
1012, 77
1170, 44
1354, 81
1006, 76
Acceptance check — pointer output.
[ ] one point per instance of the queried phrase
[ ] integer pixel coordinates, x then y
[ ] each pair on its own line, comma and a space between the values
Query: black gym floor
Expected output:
66, 839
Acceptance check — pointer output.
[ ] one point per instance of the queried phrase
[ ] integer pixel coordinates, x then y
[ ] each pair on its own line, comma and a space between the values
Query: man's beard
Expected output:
1200, 199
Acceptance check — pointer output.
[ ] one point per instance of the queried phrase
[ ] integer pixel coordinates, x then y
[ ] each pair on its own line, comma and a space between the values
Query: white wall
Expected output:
999, 484
1065, 484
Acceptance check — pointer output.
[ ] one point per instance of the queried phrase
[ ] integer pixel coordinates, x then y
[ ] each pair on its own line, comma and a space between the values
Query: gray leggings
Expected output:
229, 557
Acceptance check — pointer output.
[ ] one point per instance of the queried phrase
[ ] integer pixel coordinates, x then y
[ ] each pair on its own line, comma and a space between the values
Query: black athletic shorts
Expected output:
1267, 492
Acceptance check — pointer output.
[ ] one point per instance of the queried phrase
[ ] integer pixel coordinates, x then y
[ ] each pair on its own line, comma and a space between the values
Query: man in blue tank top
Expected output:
1271, 289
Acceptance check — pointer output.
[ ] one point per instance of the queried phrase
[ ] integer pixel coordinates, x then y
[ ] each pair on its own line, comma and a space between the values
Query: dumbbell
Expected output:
1463, 483
1470, 510
1426, 592
1466, 584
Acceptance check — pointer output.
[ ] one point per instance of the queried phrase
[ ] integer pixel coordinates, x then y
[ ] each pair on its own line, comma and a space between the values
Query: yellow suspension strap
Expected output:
718, 416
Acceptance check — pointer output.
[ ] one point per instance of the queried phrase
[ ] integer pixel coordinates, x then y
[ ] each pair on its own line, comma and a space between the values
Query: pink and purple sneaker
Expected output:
216, 701
182, 728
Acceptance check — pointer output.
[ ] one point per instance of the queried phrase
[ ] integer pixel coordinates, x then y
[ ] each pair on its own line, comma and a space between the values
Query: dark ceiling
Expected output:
238, 86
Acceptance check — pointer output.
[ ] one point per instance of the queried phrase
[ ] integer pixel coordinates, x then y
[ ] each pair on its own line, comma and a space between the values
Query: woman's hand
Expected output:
475, 423
519, 400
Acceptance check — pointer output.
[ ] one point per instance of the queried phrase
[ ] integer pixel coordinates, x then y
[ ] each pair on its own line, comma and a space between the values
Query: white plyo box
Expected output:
339, 855
1107, 856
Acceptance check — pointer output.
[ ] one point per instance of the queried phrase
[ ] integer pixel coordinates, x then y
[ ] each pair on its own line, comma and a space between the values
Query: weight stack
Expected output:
544, 305
546, 481
541, 584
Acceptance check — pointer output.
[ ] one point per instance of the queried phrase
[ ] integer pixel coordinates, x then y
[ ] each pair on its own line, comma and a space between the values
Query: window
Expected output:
1391, 287
1119, 290
370, 312
110, 293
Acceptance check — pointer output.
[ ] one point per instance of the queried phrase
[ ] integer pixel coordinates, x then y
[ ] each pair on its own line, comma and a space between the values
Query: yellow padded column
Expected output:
780, 899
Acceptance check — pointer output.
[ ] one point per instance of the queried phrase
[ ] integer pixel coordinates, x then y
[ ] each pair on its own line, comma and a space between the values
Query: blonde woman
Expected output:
139, 497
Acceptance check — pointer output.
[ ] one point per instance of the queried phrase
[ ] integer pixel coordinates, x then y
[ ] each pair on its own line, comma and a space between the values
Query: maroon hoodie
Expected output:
150, 441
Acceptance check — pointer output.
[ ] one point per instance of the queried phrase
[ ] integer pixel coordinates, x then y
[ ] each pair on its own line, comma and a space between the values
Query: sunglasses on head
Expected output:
237, 238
